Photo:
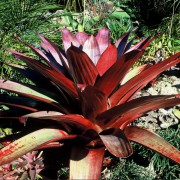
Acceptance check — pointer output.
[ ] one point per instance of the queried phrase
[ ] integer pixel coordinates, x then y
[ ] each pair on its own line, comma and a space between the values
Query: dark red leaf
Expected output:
59, 56
38, 114
140, 44
37, 51
83, 69
50, 145
52, 48
74, 119
108, 82
57, 77
19, 106
107, 59
116, 142
128, 45
120, 116
93, 102
125, 92
32, 75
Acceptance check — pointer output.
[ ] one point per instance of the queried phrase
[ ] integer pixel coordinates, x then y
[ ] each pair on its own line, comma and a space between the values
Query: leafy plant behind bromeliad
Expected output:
85, 94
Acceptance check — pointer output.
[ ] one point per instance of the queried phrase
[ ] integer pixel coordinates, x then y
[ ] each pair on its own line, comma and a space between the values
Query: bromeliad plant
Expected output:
84, 97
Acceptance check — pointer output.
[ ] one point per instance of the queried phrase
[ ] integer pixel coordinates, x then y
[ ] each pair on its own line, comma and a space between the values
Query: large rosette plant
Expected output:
85, 97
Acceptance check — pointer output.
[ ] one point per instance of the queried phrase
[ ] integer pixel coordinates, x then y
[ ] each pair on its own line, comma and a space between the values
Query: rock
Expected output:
161, 118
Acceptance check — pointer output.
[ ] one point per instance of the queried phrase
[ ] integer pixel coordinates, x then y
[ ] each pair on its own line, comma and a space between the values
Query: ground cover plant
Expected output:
83, 97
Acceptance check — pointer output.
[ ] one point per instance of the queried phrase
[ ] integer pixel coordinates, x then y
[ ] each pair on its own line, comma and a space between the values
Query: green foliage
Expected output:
73, 5
96, 15
129, 170
163, 168
20, 15
23, 18
151, 12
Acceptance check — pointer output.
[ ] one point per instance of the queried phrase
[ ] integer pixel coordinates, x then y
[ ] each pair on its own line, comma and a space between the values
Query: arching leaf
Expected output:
122, 115
152, 141
128, 90
30, 142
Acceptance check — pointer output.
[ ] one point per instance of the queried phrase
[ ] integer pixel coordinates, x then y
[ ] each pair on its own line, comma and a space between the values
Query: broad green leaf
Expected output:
176, 112
120, 14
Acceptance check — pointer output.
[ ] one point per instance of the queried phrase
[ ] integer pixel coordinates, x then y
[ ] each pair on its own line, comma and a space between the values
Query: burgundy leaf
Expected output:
116, 142
140, 44
32, 75
107, 59
74, 119
128, 45
57, 53
84, 71
19, 106
42, 55
29, 102
51, 145
27, 90
122, 115
134, 72
108, 82
152, 141
57, 77
125, 92
93, 102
